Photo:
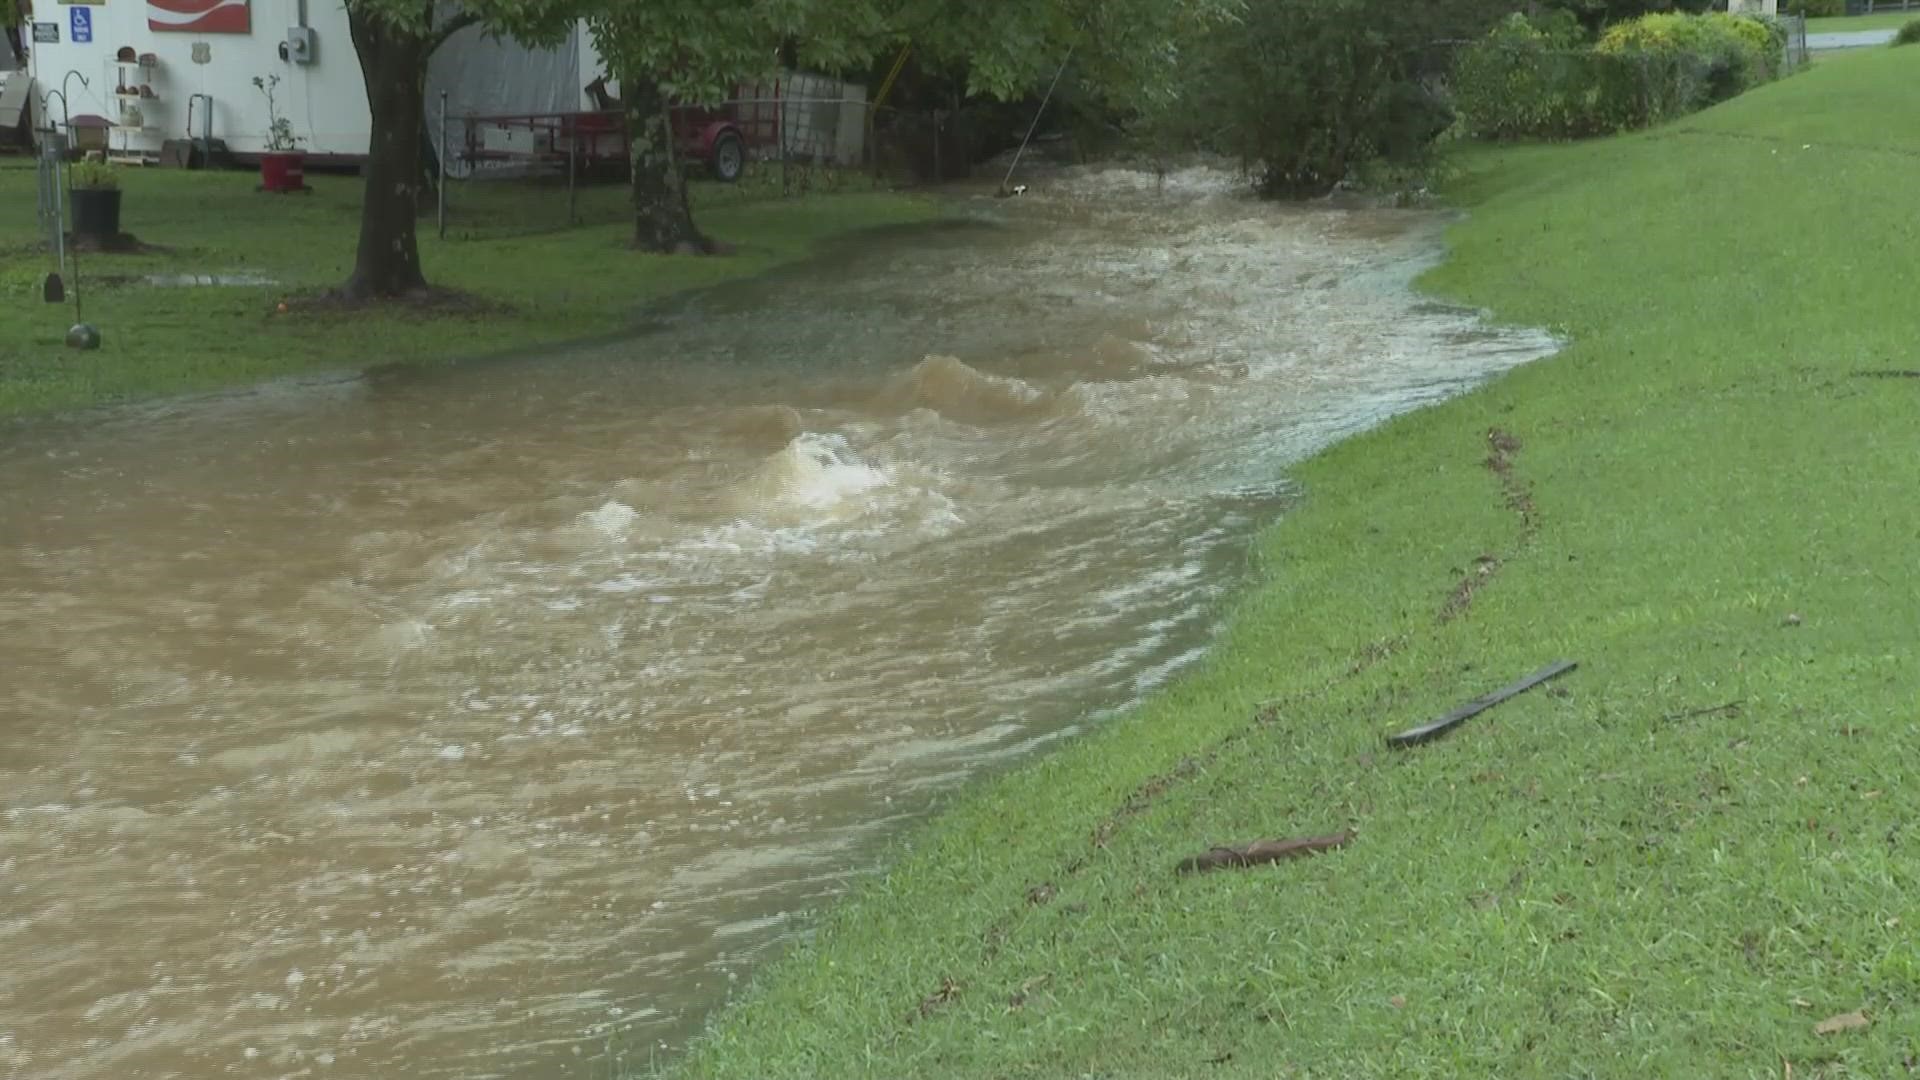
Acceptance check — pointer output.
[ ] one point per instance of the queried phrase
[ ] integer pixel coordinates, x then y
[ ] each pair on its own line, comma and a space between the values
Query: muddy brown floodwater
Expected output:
462, 723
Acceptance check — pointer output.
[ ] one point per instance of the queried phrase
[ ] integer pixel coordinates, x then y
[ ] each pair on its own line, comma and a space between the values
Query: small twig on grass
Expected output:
1711, 710
1888, 373
1263, 851
1437, 728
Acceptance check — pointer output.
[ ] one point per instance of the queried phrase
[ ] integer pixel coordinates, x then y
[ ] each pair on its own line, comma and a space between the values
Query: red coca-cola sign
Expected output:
200, 16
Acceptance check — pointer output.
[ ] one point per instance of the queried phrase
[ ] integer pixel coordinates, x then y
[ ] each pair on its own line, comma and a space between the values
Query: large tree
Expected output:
394, 39
667, 51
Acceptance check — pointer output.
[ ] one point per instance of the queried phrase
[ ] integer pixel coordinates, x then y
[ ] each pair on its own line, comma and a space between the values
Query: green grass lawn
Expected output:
508, 243
1880, 20
1676, 861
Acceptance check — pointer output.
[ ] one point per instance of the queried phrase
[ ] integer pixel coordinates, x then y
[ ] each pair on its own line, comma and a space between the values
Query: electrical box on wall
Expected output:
299, 46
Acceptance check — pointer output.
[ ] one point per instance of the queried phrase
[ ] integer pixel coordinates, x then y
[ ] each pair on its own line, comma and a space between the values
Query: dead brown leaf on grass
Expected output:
939, 998
1833, 1025
1019, 998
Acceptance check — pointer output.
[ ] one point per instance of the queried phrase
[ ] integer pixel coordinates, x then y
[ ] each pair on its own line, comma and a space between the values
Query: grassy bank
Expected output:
507, 245
1677, 861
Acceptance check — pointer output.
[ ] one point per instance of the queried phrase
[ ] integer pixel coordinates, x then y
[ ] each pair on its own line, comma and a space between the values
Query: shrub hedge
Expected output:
1524, 80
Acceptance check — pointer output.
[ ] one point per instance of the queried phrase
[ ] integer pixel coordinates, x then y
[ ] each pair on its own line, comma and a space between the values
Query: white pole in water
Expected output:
441, 186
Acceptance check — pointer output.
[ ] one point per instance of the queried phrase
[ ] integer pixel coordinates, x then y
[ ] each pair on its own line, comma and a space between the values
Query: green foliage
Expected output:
1307, 91
1523, 82
280, 136
1908, 34
1697, 33
91, 175
1739, 52
696, 49
535, 22
1517, 82
1558, 26
1602, 13
1123, 50
1815, 9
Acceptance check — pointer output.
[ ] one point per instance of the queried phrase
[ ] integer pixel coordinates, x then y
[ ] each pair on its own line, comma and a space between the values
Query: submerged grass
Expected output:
1675, 861
536, 281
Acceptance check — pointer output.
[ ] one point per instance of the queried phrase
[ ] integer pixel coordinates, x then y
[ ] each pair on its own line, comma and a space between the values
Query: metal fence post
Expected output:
780, 126
445, 173
571, 125
53, 210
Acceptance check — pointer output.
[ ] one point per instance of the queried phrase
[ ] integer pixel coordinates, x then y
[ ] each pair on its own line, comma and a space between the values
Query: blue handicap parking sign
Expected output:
81, 31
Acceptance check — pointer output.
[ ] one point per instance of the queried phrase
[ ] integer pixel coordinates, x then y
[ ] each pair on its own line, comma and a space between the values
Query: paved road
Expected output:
1852, 39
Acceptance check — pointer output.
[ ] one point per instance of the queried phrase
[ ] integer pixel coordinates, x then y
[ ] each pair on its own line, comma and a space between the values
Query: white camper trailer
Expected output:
15, 83
160, 70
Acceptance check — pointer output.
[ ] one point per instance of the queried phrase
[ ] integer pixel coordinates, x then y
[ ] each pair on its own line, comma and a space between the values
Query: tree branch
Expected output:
453, 26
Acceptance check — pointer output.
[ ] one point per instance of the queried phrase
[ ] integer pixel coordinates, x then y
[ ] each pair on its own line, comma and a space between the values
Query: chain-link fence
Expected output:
800, 135
1796, 55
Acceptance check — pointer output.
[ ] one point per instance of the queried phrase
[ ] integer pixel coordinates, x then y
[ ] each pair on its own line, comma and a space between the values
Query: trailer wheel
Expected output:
729, 157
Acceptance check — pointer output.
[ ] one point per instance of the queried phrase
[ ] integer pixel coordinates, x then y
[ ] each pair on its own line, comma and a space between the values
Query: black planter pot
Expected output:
96, 213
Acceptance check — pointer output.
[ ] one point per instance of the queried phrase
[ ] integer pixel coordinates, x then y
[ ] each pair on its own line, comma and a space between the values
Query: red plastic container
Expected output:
282, 173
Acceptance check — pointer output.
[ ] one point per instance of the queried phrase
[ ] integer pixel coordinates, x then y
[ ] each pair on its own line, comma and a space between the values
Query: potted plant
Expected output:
283, 166
96, 199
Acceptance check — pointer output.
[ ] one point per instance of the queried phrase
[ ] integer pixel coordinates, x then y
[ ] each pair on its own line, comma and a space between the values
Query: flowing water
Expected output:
452, 724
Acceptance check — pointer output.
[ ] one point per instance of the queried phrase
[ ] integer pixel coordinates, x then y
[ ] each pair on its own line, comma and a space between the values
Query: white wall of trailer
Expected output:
324, 98
15, 90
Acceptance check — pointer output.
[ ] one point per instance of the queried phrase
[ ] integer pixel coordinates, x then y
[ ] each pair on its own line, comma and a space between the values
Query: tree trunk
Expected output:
393, 63
662, 217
